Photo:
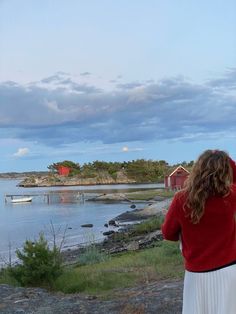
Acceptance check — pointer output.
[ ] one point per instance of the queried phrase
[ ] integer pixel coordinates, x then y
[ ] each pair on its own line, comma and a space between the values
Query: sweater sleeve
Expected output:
233, 166
171, 227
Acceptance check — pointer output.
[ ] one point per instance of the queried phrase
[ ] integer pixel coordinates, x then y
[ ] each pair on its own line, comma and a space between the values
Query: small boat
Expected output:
22, 199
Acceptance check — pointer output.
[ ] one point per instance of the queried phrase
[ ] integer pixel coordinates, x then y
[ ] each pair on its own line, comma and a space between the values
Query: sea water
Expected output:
65, 212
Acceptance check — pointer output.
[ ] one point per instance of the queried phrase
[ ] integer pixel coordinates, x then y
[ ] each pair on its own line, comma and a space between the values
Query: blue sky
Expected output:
115, 80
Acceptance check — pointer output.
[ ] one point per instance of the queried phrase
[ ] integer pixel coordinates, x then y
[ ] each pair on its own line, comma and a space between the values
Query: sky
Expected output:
115, 80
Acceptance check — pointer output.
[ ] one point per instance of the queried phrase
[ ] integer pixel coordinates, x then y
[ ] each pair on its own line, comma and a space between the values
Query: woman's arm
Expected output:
171, 227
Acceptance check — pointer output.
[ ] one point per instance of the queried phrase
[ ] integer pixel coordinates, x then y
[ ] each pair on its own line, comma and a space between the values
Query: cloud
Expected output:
53, 78
227, 81
129, 85
21, 152
125, 149
85, 73
65, 111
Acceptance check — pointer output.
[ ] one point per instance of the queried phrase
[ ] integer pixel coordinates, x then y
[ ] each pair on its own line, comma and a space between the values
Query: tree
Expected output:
39, 265
74, 167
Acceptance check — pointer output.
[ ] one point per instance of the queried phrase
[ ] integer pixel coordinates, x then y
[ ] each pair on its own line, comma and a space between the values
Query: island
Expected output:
68, 173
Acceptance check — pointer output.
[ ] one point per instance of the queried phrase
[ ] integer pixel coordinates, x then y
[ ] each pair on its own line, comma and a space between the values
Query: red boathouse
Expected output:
175, 180
63, 171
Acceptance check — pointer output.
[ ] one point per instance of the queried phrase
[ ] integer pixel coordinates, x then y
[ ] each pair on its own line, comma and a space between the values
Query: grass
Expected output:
92, 255
149, 225
149, 194
142, 228
120, 271
124, 270
6, 278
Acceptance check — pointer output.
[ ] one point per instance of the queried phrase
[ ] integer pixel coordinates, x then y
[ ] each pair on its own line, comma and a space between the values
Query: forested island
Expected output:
102, 172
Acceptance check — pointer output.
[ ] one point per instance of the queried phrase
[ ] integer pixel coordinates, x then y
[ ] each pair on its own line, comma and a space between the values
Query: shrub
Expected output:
39, 265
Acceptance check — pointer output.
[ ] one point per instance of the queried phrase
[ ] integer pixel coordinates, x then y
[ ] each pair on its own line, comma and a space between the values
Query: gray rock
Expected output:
112, 222
87, 225
164, 297
132, 246
107, 233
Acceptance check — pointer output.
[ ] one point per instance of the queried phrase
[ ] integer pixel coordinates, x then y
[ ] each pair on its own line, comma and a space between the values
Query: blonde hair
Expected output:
211, 176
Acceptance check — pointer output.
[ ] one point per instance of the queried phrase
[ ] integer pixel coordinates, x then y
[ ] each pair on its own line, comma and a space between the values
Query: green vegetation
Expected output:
143, 228
39, 265
139, 170
92, 255
6, 277
149, 194
74, 167
96, 272
147, 226
161, 262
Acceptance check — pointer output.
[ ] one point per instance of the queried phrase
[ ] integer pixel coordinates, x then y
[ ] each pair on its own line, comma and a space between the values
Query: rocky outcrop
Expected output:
163, 297
113, 197
150, 210
157, 208
56, 180
122, 242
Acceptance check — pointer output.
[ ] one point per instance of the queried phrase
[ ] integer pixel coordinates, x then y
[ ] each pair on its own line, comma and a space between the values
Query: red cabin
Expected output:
63, 170
175, 180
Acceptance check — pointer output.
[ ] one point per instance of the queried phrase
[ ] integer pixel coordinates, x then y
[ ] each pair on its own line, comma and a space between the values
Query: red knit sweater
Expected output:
211, 243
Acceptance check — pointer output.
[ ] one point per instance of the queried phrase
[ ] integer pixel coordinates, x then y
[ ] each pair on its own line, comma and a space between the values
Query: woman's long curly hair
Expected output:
211, 176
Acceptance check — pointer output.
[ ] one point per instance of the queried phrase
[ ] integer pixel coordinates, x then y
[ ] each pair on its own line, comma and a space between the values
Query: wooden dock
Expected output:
46, 196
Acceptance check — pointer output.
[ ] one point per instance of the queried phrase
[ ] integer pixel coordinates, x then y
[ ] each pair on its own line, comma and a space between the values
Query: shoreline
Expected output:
100, 178
111, 246
153, 202
84, 184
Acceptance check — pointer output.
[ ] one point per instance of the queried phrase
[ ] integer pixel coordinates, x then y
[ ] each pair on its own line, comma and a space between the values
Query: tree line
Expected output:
140, 170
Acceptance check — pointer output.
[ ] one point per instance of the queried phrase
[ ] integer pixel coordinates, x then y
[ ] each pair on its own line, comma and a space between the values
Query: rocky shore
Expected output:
164, 297
56, 180
149, 210
120, 238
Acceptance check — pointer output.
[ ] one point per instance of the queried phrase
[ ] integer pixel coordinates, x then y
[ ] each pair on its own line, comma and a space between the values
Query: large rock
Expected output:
157, 208
112, 197
108, 233
154, 297
132, 246
87, 225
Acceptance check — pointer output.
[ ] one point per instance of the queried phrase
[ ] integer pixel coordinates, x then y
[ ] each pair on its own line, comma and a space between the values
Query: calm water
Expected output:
25, 221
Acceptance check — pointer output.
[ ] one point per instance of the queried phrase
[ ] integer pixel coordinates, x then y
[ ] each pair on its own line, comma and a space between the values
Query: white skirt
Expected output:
211, 292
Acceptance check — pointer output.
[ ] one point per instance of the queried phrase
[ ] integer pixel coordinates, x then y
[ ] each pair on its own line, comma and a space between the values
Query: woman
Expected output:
203, 215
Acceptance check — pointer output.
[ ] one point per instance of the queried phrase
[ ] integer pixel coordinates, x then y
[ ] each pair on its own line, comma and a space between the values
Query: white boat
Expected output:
22, 199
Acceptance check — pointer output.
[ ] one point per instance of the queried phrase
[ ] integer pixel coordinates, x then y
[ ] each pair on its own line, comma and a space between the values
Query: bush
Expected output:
39, 265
